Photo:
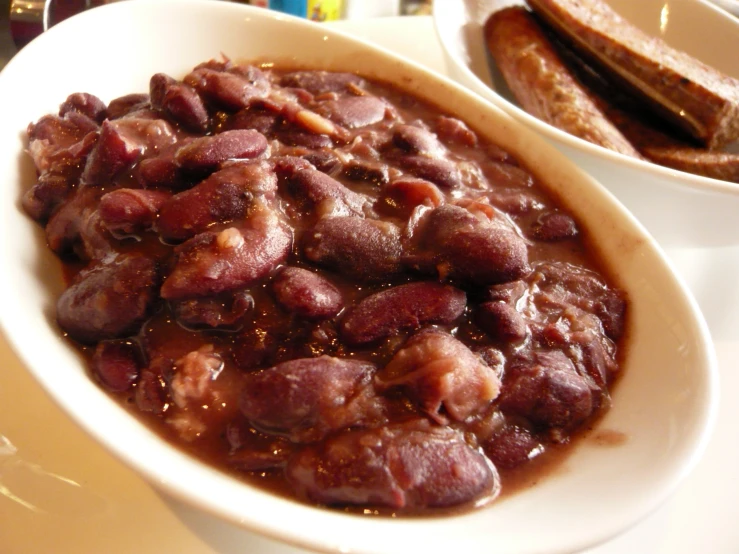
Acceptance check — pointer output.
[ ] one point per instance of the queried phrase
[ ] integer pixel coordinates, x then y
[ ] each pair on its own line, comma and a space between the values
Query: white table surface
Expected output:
60, 492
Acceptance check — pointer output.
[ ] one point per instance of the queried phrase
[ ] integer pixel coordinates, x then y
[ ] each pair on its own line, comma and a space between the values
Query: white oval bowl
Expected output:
664, 404
678, 208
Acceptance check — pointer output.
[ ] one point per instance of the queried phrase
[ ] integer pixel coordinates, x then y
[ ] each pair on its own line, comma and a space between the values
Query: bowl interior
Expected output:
693, 210
663, 406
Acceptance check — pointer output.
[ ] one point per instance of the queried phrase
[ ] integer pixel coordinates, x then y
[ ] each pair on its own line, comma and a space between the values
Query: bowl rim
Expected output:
163, 480
677, 177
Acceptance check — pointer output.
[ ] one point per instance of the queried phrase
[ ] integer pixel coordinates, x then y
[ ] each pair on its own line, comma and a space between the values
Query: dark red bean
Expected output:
215, 262
354, 111
361, 248
547, 390
127, 104
409, 465
472, 248
453, 131
116, 364
253, 118
181, 104
320, 81
130, 211
368, 172
401, 308
205, 153
442, 375
109, 299
416, 140
512, 447
151, 393
554, 226
225, 311
225, 195
86, 104
404, 194
311, 397
307, 294
229, 90
323, 193
501, 321
437, 170
46, 195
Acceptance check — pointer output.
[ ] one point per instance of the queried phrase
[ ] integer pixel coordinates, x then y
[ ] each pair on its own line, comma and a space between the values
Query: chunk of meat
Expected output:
473, 248
442, 375
75, 228
109, 299
224, 196
547, 390
403, 466
307, 294
123, 142
402, 195
60, 145
401, 308
193, 374
130, 211
308, 398
214, 262
49, 192
360, 248
205, 153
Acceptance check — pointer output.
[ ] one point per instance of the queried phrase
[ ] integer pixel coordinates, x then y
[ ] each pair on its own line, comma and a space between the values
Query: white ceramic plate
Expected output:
676, 207
664, 405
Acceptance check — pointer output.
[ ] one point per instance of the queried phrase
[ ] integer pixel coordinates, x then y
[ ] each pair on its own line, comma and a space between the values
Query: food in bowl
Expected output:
693, 109
325, 284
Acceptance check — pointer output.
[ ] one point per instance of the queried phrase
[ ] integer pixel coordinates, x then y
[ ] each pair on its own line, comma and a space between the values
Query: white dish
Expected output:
677, 208
665, 404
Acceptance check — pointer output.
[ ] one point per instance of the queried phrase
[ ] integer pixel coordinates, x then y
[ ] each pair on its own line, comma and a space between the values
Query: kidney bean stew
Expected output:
324, 285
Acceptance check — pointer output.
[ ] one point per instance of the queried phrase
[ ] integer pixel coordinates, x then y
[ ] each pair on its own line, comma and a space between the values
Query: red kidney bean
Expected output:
547, 390
127, 104
308, 398
402, 195
130, 211
214, 262
116, 364
205, 153
321, 192
501, 321
354, 111
454, 131
320, 81
253, 118
307, 294
401, 308
109, 299
230, 91
416, 140
65, 229
86, 104
225, 195
292, 137
437, 170
407, 465
179, 103
442, 375
368, 172
512, 447
46, 195
362, 248
472, 248
225, 311
554, 226
123, 142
